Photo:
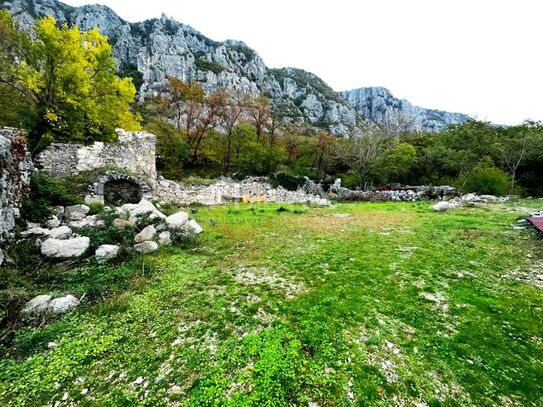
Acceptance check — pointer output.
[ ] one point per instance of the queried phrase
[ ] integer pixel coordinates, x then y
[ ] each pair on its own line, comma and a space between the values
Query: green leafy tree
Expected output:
70, 78
394, 164
485, 178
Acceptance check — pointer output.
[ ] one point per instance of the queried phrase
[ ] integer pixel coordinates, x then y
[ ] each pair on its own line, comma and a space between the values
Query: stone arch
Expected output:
119, 189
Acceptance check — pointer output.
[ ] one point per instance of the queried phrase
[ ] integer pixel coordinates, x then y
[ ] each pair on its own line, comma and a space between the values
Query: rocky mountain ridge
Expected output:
380, 106
150, 51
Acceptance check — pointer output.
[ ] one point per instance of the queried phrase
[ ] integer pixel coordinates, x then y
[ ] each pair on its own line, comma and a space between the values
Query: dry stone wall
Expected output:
227, 190
134, 152
15, 171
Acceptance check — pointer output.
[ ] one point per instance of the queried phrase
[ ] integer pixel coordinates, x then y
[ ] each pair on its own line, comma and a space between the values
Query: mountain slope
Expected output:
154, 49
380, 106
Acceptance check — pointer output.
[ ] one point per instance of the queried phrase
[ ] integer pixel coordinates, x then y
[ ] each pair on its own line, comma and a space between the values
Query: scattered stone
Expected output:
53, 223
146, 247
61, 233
177, 220
445, 205
65, 249
193, 227
106, 253
39, 231
138, 381
123, 224
144, 207
52, 345
76, 212
92, 221
63, 304
175, 389
165, 238
146, 234
37, 304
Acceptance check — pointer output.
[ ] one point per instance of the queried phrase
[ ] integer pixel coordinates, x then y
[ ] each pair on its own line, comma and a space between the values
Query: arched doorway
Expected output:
121, 191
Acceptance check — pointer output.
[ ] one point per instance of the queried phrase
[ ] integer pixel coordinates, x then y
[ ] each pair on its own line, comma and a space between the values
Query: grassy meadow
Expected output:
385, 304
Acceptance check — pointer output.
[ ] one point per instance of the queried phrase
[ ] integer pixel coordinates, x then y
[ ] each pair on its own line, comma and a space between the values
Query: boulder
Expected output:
193, 227
106, 252
65, 249
123, 224
177, 220
445, 205
36, 231
146, 234
61, 233
37, 304
76, 212
63, 304
165, 238
471, 198
146, 247
52, 223
144, 207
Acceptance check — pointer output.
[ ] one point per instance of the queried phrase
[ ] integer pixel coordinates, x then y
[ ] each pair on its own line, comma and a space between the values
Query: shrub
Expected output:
287, 181
485, 178
46, 192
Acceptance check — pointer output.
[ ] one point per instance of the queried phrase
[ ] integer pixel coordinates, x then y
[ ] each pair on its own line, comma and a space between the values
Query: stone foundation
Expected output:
15, 171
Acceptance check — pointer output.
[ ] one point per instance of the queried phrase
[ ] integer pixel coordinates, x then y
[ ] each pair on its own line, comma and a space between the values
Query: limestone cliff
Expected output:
380, 106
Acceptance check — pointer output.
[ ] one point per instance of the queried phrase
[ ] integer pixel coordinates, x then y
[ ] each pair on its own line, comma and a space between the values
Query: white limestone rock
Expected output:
65, 249
445, 206
76, 212
193, 227
144, 207
92, 221
177, 221
36, 231
53, 223
146, 247
165, 238
148, 233
123, 223
61, 233
106, 253
62, 305
38, 304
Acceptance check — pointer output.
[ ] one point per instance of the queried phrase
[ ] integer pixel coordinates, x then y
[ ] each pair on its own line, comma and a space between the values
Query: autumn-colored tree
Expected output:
258, 109
69, 76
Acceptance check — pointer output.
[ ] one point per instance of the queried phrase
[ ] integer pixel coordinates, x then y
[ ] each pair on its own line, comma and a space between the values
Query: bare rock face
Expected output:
65, 249
380, 106
155, 49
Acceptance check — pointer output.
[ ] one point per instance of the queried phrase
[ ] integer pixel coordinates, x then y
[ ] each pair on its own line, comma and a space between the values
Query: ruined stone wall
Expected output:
15, 171
227, 190
134, 152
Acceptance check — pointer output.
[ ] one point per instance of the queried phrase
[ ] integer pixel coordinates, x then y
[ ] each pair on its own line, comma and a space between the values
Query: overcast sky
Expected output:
481, 57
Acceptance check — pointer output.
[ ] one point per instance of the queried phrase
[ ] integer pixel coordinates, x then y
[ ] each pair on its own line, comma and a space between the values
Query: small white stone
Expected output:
177, 220
61, 233
106, 252
146, 247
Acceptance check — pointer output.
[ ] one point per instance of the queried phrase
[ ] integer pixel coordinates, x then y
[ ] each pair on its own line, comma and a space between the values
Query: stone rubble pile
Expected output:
467, 199
397, 194
67, 241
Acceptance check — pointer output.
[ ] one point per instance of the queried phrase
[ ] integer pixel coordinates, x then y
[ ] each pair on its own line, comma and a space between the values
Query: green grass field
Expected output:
385, 304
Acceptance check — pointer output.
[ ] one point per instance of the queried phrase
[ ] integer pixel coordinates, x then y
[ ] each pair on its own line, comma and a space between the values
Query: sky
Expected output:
480, 57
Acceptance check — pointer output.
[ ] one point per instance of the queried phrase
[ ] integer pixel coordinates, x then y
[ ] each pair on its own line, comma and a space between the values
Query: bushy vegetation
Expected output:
205, 65
67, 82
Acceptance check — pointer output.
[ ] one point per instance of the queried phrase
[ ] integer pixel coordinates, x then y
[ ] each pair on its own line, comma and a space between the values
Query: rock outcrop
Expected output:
15, 170
381, 107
